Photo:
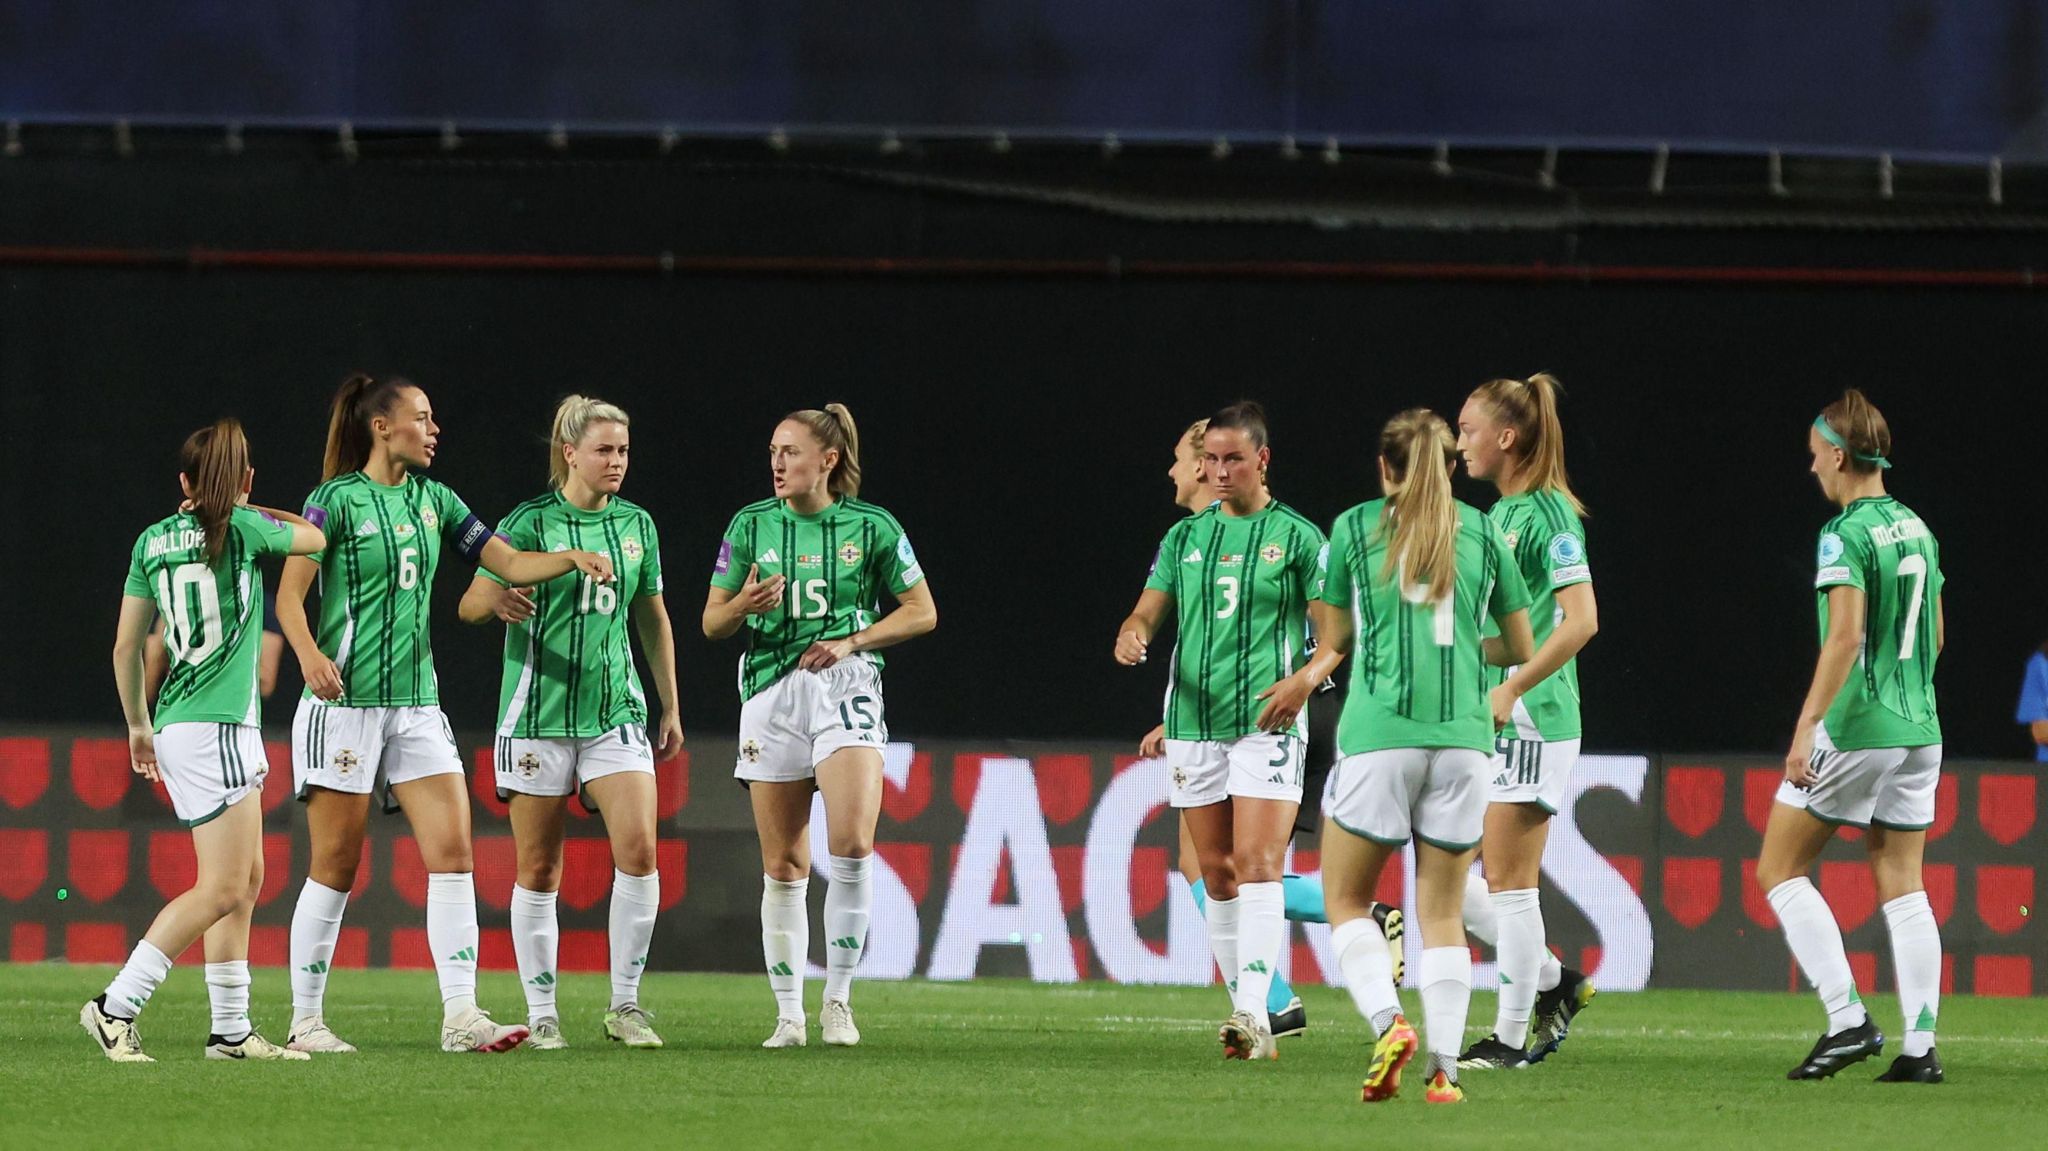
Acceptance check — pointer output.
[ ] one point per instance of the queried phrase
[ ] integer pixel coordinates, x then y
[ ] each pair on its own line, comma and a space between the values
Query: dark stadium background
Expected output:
1017, 416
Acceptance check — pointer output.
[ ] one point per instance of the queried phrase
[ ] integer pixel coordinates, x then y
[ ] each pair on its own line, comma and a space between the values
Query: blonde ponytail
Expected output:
573, 417
834, 430
1420, 515
1530, 408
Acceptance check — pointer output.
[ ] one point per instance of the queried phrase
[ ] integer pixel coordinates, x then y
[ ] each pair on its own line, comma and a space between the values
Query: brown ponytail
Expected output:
359, 399
1530, 408
833, 429
1420, 514
215, 461
1862, 428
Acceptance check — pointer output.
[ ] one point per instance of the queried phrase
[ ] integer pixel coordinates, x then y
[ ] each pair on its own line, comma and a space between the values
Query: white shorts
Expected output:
359, 750
798, 721
1263, 765
1886, 786
1533, 771
1435, 794
565, 766
210, 767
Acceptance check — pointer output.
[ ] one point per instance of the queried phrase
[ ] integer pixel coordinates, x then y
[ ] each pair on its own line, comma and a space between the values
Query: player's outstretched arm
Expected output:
306, 539
525, 569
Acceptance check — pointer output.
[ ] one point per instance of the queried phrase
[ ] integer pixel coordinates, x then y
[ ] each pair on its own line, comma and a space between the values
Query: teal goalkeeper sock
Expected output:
1304, 899
1280, 995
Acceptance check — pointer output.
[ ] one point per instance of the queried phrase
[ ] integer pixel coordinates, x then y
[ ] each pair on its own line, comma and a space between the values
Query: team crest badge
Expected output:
1180, 778
1272, 553
529, 765
345, 761
428, 518
1513, 537
631, 547
750, 751
849, 554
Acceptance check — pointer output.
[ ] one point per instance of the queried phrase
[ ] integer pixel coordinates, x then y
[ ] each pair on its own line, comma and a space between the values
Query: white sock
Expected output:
849, 901
137, 980
1261, 931
1481, 922
1816, 942
316, 925
786, 941
1521, 962
635, 899
536, 943
1916, 956
451, 936
1551, 973
227, 989
1446, 998
1361, 950
1221, 919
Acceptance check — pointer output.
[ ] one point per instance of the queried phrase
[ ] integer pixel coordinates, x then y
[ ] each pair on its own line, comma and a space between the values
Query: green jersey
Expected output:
213, 613
383, 544
1549, 544
569, 669
1880, 547
1418, 675
1241, 586
836, 562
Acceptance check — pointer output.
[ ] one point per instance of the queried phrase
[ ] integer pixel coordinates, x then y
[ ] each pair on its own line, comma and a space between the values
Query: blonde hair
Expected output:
1420, 516
573, 417
833, 429
1863, 428
1530, 408
1194, 434
215, 460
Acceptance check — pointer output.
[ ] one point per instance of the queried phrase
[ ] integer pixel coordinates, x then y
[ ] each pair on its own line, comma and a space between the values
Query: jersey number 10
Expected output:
191, 607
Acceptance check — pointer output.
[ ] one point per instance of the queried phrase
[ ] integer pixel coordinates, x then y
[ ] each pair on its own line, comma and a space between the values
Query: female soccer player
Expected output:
1417, 571
572, 713
1238, 575
1510, 436
371, 711
1867, 750
1304, 894
198, 568
802, 572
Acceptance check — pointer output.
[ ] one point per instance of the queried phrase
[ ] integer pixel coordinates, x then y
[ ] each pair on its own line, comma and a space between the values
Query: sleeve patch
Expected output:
1567, 551
1831, 576
724, 562
317, 516
470, 537
1830, 550
904, 552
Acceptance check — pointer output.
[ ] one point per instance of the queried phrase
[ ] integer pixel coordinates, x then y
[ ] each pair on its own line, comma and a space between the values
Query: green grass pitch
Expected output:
982, 1065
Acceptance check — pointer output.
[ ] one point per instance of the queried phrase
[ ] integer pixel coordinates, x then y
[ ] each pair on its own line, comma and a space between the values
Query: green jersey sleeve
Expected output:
1334, 587
735, 555
137, 584
650, 566
1565, 557
1165, 573
899, 567
1842, 560
1510, 591
266, 536
327, 513
1311, 560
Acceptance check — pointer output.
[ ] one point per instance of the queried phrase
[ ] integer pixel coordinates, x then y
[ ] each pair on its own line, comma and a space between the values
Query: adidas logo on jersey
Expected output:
769, 557
1193, 557
369, 528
